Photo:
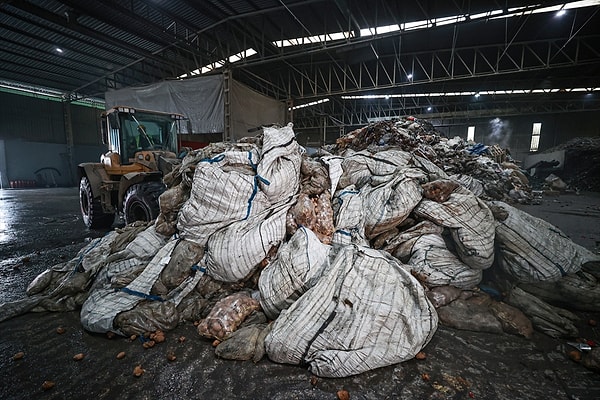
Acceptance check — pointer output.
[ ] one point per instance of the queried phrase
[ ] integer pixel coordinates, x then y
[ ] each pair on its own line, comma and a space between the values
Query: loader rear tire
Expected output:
91, 208
141, 202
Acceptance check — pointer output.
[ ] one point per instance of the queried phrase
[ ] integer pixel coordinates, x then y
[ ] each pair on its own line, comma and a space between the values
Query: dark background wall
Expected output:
33, 142
512, 132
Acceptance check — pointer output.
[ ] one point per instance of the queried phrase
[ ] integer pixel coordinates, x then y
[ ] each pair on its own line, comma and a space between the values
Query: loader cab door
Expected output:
110, 127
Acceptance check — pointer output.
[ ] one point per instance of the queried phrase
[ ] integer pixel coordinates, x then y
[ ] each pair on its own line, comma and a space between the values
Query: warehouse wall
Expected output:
514, 132
250, 110
33, 140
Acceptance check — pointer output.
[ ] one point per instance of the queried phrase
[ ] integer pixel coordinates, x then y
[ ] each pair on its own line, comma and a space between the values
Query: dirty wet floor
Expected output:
42, 227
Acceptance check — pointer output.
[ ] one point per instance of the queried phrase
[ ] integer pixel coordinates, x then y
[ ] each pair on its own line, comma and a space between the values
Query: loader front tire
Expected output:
91, 208
141, 202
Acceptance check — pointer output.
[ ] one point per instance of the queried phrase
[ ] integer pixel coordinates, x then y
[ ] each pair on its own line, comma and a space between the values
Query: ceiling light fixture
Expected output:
59, 50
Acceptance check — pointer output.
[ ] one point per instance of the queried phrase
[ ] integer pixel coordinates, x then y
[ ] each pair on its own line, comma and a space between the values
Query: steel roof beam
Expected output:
441, 66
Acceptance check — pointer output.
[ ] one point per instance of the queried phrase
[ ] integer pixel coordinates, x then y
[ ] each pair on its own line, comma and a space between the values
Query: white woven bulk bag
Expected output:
127, 263
388, 200
281, 157
349, 217
471, 225
335, 170
299, 264
532, 250
234, 252
105, 303
398, 158
427, 256
433, 171
362, 166
144, 246
473, 184
225, 189
365, 312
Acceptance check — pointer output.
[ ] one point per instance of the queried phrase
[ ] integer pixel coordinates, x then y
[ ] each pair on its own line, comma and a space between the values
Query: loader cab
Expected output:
126, 131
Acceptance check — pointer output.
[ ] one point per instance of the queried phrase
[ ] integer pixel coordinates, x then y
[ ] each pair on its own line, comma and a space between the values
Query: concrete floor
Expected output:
42, 227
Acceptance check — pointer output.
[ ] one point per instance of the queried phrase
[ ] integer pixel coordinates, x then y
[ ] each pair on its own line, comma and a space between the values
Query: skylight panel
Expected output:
221, 63
324, 38
429, 23
480, 93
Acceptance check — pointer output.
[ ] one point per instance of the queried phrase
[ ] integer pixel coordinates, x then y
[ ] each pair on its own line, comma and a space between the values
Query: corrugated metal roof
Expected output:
110, 44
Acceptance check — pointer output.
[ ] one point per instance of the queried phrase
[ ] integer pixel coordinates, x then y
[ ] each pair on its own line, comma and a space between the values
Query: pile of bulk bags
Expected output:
336, 261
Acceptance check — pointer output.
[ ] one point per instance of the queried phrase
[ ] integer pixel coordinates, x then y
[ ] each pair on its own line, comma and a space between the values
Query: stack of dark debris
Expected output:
345, 261
581, 170
488, 171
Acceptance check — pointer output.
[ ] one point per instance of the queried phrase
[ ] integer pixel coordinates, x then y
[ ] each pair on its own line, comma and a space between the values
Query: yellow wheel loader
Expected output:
142, 148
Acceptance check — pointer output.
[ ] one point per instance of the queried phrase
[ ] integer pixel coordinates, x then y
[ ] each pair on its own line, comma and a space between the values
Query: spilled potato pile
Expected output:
345, 261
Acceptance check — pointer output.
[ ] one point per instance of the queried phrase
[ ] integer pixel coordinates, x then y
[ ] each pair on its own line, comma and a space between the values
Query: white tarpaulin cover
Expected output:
251, 110
202, 100
199, 99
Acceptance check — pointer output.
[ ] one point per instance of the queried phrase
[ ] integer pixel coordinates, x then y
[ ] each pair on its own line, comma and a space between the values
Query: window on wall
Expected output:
535, 136
471, 133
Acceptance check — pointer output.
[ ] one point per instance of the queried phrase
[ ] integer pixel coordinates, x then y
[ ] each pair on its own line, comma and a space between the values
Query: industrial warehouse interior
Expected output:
299, 199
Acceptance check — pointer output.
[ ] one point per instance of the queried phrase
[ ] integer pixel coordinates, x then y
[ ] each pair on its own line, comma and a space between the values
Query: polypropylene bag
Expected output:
531, 249
388, 200
349, 214
427, 256
225, 189
104, 303
235, 251
313, 213
279, 167
362, 166
226, 315
473, 184
471, 225
365, 312
299, 264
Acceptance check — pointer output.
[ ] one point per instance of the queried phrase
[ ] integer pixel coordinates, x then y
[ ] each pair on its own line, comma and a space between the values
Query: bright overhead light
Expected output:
59, 50
477, 95
560, 13
428, 108
409, 76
